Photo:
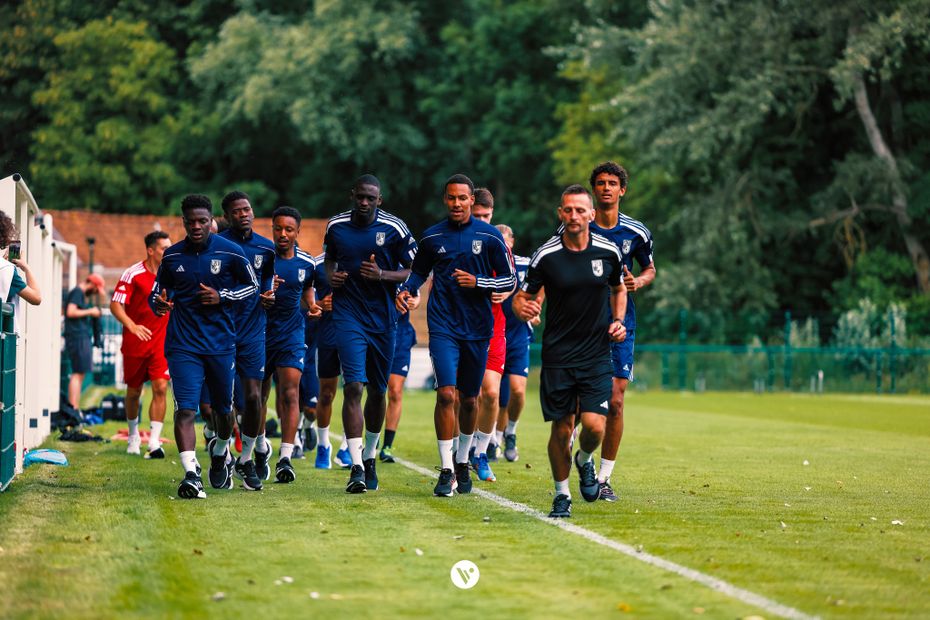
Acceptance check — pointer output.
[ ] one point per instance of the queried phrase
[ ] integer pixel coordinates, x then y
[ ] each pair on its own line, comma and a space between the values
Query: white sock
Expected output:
287, 449
262, 445
607, 468
561, 488
511, 427
583, 457
461, 455
455, 444
189, 461
499, 438
208, 433
155, 435
220, 446
371, 445
323, 435
445, 453
133, 427
343, 445
248, 444
481, 442
355, 449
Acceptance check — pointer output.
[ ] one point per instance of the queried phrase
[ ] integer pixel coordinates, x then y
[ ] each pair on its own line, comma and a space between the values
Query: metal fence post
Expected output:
682, 354
891, 352
788, 350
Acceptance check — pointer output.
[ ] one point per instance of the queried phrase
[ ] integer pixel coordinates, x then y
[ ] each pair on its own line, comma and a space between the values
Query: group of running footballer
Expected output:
228, 315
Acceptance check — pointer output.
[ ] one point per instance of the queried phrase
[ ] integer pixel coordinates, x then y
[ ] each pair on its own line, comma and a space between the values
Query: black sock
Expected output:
389, 438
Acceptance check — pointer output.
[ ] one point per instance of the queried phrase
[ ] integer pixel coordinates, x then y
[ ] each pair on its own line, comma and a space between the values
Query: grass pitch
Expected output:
817, 503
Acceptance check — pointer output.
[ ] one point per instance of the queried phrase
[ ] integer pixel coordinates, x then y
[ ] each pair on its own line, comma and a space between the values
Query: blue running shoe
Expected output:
483, 469
323, 460
344, 459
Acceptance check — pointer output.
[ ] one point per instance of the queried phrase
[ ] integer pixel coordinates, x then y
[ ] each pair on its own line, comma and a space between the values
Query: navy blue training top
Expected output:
477, 248
221, 265
250, 315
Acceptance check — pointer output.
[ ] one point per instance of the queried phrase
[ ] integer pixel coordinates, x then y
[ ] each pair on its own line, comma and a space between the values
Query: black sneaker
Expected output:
606, 493
492, 452
157, 453
462, 478
561, 507
246, 473
356, 482
590, 488
371, 476
387, 454
210, 442
220, 473
310, 439
261, 464
191, 487
298, 452
284, 471
447, 483
510, 448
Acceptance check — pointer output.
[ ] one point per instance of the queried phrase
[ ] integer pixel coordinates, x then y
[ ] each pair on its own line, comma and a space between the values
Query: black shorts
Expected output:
566, 391
80, 354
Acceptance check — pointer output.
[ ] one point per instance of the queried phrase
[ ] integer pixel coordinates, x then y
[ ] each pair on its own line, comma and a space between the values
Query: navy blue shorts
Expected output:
191, 373
250, 359
405, 340
80, 353
287, 356
621, 354
518, 360
366, 357
458, 362
309, 386
328, 364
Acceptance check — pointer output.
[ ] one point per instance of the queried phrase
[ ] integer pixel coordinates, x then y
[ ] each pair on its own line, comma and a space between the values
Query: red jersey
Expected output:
133, 291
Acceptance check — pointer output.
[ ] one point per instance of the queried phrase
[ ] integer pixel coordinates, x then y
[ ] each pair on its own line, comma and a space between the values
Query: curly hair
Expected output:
232, 197
196, 201
611, 168
7, 230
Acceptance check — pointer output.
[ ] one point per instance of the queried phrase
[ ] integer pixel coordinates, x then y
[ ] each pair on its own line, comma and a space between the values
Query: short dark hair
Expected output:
367, 179
610, 168
7, 230
196, 201
232, 197
484, 197
286, 211
575, 188
459, 179
154, 236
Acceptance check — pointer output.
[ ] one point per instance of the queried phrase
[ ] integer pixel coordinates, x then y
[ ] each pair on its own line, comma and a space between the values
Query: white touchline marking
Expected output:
728, 589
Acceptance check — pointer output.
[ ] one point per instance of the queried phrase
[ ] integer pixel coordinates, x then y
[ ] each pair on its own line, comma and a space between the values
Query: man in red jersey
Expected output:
143, 344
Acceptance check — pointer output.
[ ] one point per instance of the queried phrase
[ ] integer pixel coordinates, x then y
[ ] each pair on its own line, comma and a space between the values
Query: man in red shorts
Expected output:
488, 405
143, 344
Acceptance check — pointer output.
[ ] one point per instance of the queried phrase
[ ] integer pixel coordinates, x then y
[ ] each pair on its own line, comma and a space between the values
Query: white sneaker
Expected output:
135, 445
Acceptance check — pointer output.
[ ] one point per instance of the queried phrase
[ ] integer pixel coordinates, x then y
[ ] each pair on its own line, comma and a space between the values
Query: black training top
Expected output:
577, 300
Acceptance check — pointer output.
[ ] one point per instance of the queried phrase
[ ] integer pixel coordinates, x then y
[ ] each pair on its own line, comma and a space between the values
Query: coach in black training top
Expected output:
585, 303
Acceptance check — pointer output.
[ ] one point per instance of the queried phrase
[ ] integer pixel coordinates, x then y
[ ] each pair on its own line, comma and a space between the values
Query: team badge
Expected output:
626, 245
379, 238
215, 265
597, 266
259, 259
476, 246
301, 275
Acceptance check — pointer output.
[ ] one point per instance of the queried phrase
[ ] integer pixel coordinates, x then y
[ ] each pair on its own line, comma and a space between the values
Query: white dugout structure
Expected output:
38, 349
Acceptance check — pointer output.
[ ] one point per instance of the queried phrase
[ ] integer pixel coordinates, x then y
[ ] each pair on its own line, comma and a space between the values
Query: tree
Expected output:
110, 120
739, 104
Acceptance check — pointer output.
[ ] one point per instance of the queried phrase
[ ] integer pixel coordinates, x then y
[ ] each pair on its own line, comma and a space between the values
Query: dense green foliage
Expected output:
777, 151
